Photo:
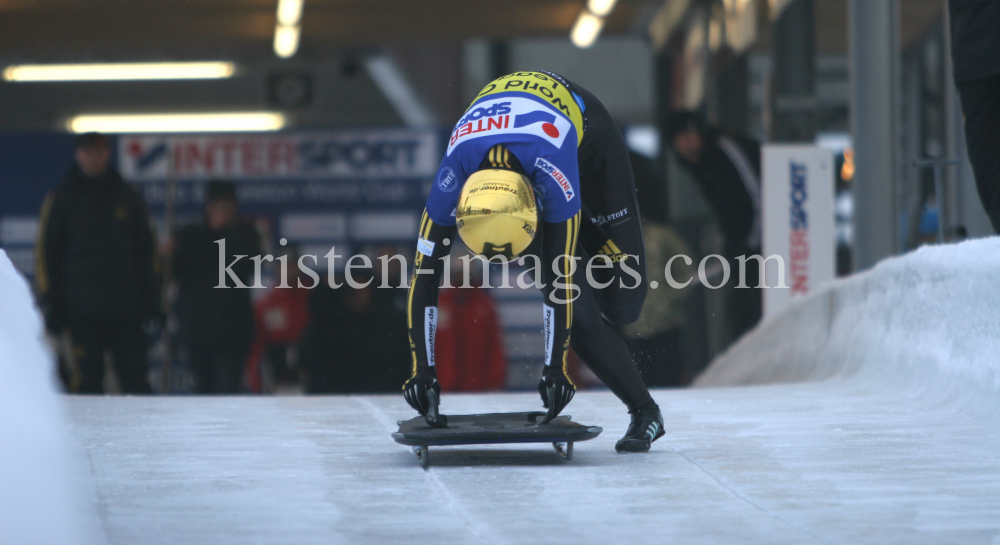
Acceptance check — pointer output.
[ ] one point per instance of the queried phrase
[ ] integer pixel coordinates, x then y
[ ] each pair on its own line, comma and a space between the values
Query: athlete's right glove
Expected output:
422, 391
556, 391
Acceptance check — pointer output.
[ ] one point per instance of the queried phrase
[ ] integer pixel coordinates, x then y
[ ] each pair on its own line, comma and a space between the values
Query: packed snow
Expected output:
39, 501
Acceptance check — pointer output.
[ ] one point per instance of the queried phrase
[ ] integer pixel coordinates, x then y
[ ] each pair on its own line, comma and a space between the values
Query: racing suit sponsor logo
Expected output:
512, 115
614, 253
425, 246
430, 329
558, 176
549, 321
602, 219
446, 180
546, 86
494, 109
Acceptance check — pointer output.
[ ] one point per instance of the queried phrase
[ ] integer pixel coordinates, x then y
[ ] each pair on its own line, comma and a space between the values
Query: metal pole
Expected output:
874, 74
795, 73
169, 220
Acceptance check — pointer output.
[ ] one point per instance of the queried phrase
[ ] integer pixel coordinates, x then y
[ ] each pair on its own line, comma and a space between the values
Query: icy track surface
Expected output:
773, 464
868, 413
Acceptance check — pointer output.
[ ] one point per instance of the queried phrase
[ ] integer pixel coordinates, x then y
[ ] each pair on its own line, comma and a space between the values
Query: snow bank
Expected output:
37, 500
927, 322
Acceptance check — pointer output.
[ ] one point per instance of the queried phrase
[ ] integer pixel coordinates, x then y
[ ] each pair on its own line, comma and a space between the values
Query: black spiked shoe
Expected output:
646, 427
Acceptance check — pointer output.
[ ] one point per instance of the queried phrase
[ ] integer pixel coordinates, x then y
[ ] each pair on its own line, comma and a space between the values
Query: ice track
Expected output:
773, 464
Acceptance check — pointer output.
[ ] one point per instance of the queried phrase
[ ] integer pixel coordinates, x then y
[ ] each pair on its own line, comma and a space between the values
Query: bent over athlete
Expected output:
537, 130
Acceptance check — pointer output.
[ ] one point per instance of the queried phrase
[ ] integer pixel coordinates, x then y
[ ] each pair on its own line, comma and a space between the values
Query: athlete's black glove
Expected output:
422, 391
556, 391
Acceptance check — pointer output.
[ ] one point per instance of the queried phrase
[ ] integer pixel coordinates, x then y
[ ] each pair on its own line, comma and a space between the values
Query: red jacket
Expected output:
468, 349
281, 317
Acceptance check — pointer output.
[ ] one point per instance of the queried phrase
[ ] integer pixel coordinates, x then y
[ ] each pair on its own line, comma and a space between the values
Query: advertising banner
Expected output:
316, 189
798, 222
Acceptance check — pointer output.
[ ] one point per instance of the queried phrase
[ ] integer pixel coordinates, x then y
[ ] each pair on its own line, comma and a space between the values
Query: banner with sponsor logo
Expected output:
313, 188
798, 222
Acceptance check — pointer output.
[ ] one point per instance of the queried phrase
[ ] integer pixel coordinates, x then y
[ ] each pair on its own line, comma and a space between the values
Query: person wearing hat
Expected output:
96, 270
726, 169
535, 167
216, 324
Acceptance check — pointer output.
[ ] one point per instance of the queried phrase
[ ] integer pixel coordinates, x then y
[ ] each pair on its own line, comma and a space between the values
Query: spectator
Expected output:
975, 52
355, 340
216, 324
655, 339
281, 317
468, 348
727, 171
96, 270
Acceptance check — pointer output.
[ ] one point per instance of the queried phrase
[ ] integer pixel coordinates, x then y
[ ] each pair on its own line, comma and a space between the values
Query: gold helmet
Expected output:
497, 213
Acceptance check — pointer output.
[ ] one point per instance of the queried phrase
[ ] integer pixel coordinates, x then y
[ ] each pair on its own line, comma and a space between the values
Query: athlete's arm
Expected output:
421, 308
559, 241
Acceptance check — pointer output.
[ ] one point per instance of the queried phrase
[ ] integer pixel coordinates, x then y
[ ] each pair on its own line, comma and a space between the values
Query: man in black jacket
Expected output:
727, 171
217, 323
96, 271
975, 51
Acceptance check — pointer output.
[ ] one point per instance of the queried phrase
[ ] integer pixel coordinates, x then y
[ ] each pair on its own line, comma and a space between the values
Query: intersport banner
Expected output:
316, 189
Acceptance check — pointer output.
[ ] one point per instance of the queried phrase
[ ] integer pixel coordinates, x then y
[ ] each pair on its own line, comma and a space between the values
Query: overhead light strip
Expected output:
601, 8
288, 28
590, 22
588, 26
119, 71
189, 122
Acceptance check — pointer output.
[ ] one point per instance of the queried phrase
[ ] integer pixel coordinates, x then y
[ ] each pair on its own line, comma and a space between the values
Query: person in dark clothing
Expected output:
727, 170
216, 323
975, 52
96, 270
355, 341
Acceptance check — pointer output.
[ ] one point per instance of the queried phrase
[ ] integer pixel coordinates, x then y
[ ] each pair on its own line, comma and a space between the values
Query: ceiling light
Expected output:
157, 123
289, 12
601, 8
286, 41
119, 71
586, 29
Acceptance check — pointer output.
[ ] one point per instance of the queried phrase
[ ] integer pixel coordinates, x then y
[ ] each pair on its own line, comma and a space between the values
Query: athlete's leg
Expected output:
611, 225
605, 353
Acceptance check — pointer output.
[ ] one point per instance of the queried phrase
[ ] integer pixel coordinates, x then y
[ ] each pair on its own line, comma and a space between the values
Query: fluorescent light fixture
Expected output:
289, 12
286, 41
156, 123
586, 29
119, 71
601, 8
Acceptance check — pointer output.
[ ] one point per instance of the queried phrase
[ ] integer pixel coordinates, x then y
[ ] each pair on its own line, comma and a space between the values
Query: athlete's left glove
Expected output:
422, 391
556, 391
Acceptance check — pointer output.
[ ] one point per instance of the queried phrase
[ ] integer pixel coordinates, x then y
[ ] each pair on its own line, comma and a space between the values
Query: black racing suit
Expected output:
607, 224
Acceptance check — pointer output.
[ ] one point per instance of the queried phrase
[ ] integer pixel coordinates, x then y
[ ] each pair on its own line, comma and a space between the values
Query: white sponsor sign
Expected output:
314, 226
18, 230
798, 221
334, 154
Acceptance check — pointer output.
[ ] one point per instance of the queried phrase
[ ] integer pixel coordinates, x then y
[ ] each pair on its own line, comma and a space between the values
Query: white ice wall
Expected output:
927, 322
37, 501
